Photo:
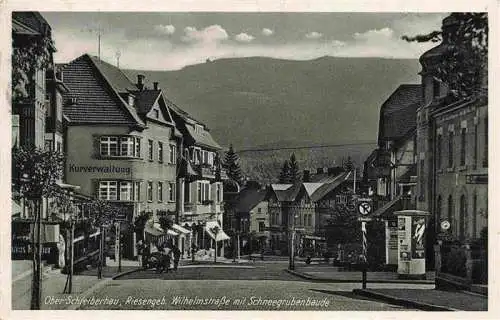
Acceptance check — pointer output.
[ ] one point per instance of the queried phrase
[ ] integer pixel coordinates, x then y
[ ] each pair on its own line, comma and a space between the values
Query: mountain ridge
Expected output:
258, 101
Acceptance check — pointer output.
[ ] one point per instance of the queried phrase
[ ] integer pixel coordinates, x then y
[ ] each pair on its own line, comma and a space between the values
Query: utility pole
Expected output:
216, 230
118, 55
291, 265
101, 254
72, 255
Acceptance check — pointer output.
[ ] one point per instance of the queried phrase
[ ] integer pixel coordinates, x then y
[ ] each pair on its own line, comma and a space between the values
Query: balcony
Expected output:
206, 171
223, 174
189, 208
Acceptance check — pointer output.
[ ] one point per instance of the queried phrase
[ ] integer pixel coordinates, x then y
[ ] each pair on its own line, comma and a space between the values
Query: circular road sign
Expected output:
364, 208
445, 225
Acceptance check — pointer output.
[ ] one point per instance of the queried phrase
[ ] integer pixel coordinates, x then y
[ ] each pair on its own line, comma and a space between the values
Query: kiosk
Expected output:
412, 231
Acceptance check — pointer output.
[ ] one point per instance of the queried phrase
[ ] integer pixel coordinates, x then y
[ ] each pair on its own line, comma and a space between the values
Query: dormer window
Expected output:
198, 128
130, 100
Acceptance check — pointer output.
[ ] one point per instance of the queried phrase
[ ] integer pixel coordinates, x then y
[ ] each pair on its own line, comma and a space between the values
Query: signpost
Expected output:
364, 209
445, 225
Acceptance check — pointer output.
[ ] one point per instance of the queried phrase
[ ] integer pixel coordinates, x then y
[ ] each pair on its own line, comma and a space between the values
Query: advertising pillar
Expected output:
411, 243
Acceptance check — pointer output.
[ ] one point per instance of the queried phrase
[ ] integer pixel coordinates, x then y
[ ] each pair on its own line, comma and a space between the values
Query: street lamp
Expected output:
216, 231
292, 238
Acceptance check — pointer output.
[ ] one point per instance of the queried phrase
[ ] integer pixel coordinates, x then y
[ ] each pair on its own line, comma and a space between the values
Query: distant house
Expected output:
306, 208
253, 217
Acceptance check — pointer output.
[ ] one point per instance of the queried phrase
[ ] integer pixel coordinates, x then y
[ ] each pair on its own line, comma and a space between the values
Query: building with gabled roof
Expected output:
120, 140
306, 207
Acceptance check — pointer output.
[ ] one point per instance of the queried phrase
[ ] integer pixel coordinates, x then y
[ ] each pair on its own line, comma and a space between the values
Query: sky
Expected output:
171, 41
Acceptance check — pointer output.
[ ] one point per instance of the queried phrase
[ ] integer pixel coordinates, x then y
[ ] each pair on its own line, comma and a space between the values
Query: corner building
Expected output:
452, 150
120, 138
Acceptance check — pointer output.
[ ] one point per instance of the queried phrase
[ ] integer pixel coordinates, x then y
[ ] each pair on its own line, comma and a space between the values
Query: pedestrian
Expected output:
146, 254
177, 255
193, 251
140, 250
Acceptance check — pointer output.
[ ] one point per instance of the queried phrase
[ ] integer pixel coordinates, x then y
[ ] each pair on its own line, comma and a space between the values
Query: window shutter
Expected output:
95, 188
96, 143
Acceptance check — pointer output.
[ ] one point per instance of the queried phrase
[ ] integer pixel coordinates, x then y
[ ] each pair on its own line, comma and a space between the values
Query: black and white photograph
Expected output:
248, 160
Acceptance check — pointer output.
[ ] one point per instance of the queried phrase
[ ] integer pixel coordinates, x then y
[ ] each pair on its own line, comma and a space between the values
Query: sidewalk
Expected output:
53, 283
326, 273
429, 300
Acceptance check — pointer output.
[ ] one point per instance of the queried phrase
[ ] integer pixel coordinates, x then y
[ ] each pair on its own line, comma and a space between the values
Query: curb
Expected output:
401, 302
326, 280
116, 276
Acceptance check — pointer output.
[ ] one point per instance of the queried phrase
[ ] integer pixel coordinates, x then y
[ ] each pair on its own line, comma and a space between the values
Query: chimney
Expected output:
306, 176
155, 85
140, 81
319, 171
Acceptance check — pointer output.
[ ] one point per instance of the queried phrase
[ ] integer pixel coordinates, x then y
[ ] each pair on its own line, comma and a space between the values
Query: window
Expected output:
197, 156
219, 193
421, 179
439, 205
450, 149
137, 191
439, 156
203, 191
205, 156
160, 151
160, 191
450, 210
262, 226
474, 216
150, 191
200, 192
463, 215
150, 150
125, 190
127, 146
476, 145
207, 191
108, 190
485, 160
463, 137
59, 146
187, 193
109, 146
137, 152
171, 191
259, 210
173, 155
156, 113
115, 146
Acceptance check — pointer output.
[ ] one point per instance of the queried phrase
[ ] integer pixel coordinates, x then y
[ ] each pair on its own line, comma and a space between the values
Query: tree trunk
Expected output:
36, 292
71, 256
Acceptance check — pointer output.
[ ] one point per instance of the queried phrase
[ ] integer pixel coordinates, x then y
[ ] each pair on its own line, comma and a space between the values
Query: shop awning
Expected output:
172, 232
153, 229
180, 229
16, 208
210, 229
